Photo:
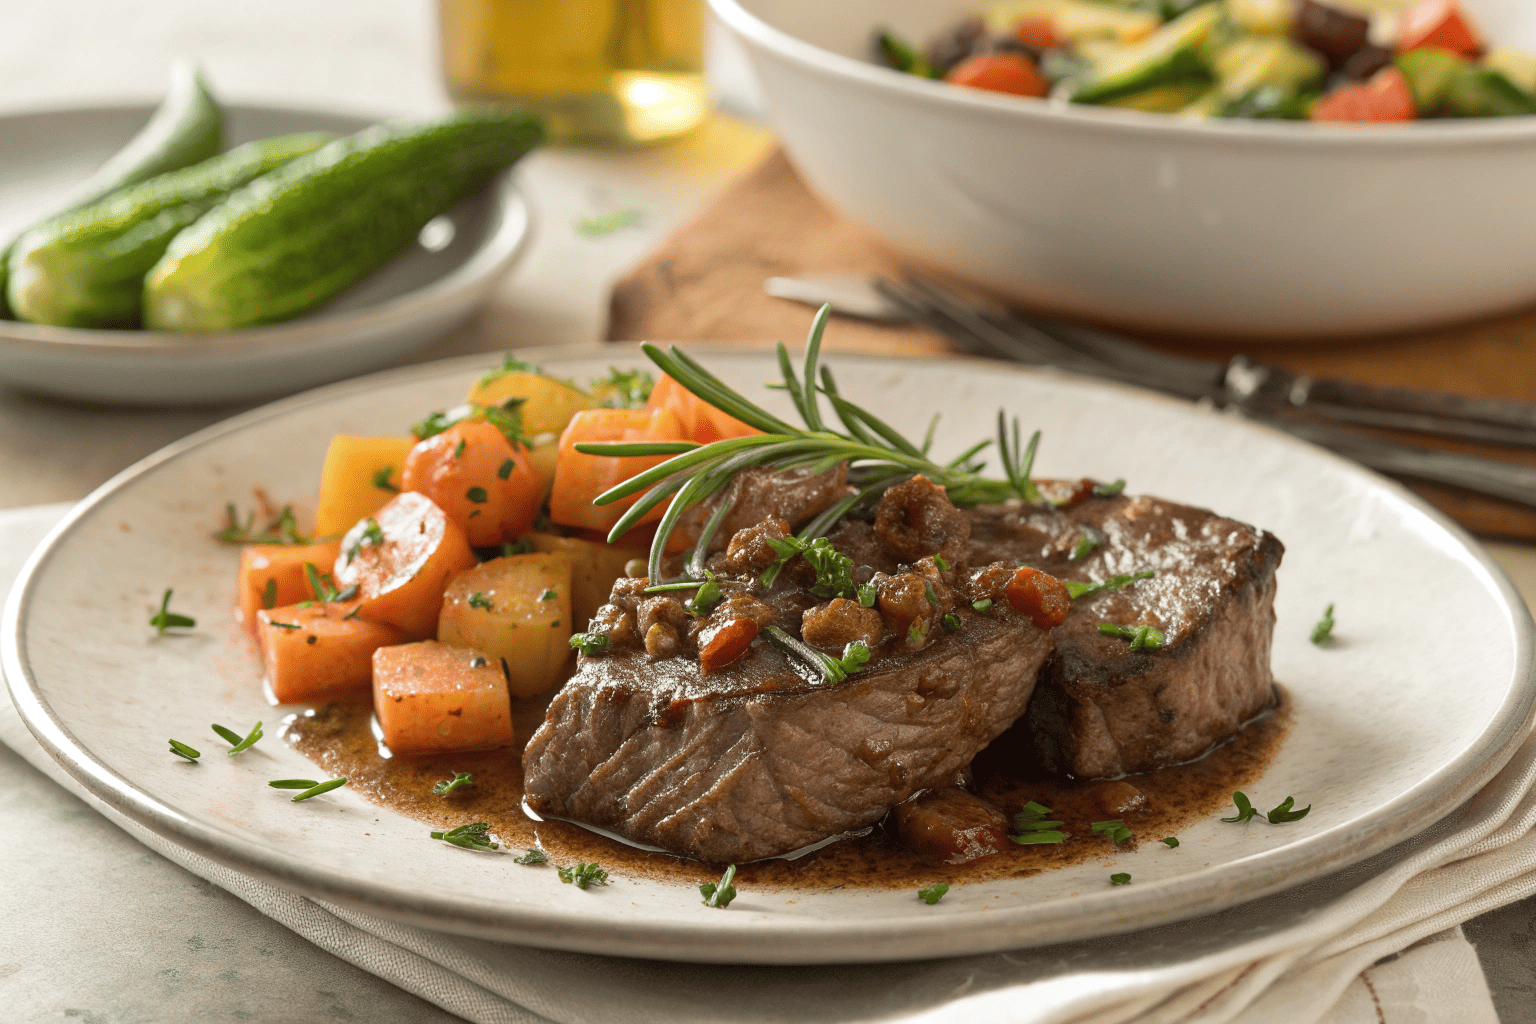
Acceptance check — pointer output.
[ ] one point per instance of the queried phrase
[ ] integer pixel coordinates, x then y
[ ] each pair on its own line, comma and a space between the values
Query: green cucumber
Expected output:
86, 267
1174, 55
186, 128
301, 235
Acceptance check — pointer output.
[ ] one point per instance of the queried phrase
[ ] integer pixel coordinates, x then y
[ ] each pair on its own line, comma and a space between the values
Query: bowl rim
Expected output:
486, 263
871, 77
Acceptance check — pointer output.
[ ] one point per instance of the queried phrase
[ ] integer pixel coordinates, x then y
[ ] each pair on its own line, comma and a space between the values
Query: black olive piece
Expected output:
1366, 62
957, 44
1336, 35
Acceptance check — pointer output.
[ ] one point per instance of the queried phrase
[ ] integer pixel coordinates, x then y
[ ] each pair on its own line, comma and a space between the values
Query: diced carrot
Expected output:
1439, 23
276, 571
1039, 595
702, 422
359, 475
580, 478
1012, 73
318, 651
1039, 34
400, 560
1385, 98
431, 698
483, 482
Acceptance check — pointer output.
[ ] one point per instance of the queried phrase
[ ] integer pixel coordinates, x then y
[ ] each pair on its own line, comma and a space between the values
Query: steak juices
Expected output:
749, 721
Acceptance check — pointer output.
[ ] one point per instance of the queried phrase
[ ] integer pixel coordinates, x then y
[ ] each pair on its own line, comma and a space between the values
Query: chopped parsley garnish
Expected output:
460, 780
1282, 814
708, 596
458, 449
477, 495
1323, 631
1076, 588
590, 643
1245, 809
473, 836
833, 670
918, 632
1034, 829
521, 546
324, 585
183, 751
511, 364
868, 595
352, 614
238, 742
941, 562
372, 533
1120, 878
269, 593
984, 605
584, 875
623, 389
287, 625
293, 783
324, 787
505, 469
951, 622
283, 529
933, 599
719, 894
834, 570
532, 857
166, 619
548, 595
312, 639
381, 480
436, 423
1116, 830
1108, 490
1087, 540
479, 600
1170, 841
1142, 638
508, 418
933, 893
607, 223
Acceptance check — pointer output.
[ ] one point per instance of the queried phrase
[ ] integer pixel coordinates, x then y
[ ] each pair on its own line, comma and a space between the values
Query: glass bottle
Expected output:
607, 72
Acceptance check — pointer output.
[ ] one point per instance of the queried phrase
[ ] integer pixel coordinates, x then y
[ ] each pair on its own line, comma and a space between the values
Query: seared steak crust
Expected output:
1101, 710
760, 761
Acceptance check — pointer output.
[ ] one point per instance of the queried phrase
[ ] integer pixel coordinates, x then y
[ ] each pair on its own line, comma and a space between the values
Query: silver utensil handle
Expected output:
1484, 476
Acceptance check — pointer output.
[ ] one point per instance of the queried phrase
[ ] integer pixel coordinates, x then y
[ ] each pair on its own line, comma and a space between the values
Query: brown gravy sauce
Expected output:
338, 737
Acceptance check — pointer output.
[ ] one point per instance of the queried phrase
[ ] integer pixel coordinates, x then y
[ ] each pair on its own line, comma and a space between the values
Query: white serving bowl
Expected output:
1257, 229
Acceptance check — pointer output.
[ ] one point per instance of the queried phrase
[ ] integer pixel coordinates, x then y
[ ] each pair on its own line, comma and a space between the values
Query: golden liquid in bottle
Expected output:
599, 71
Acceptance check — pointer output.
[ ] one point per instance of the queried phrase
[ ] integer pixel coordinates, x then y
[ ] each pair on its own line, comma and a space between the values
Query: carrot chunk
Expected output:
721, 644
702, 423
483, 482
430, 697
1439, 23
273, 574
400, 560
1039, 595
1385, 98
1000, 72
314, 652
580, 478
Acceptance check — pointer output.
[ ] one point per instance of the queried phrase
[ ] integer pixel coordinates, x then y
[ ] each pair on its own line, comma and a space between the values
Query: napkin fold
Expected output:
1377, 943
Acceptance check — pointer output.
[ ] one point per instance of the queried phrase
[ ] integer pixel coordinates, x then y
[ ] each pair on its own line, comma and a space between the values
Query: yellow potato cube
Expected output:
548, 404
516, 608
359, 477
594, 567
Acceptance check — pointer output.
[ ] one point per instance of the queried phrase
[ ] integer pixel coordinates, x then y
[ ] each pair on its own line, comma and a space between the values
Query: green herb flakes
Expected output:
166, 619
719, 894
933, 893
460, 780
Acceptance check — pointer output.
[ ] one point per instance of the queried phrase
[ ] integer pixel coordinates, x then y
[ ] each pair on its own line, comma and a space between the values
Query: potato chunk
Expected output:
548, 404
433, 698
314, 652
400, 560
277, 571
516, 608
360, 474
595, 564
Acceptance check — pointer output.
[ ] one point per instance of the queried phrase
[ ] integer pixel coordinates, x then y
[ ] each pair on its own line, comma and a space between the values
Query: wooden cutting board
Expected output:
705, 283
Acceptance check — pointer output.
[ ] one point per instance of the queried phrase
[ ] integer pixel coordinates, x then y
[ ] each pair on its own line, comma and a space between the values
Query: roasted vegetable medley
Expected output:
1344, 61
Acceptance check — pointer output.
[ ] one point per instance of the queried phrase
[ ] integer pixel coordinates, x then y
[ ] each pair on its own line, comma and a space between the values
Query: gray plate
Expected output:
420, 295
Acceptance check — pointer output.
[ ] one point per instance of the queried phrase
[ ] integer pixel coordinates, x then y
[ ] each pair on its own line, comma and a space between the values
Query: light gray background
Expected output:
159, 944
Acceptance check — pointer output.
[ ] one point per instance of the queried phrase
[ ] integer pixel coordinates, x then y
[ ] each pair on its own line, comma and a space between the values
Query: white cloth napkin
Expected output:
1378, 943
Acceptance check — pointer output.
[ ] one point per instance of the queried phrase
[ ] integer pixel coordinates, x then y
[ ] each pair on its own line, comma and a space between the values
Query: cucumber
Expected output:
299, 236
1429, 71
86, 267
1174, 55
1254, 62
186, 128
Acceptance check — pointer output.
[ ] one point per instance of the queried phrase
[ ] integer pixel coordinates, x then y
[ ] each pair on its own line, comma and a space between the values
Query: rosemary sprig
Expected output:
877, 454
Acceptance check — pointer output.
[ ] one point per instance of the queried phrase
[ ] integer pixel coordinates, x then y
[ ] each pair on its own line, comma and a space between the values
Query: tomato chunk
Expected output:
1439, 23
1039, 595
315, 652
400, 560
1039, 34
430, 697
1385, 98
1000, 72
486, 484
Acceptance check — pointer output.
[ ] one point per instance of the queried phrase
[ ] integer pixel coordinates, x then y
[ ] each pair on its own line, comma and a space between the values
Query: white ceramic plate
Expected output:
420, 295
1419, 702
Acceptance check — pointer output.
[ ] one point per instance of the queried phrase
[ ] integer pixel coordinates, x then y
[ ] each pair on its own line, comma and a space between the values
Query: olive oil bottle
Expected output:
606, 72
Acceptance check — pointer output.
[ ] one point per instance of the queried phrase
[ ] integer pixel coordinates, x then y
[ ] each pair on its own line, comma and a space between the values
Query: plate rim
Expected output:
753, 938
493, 257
